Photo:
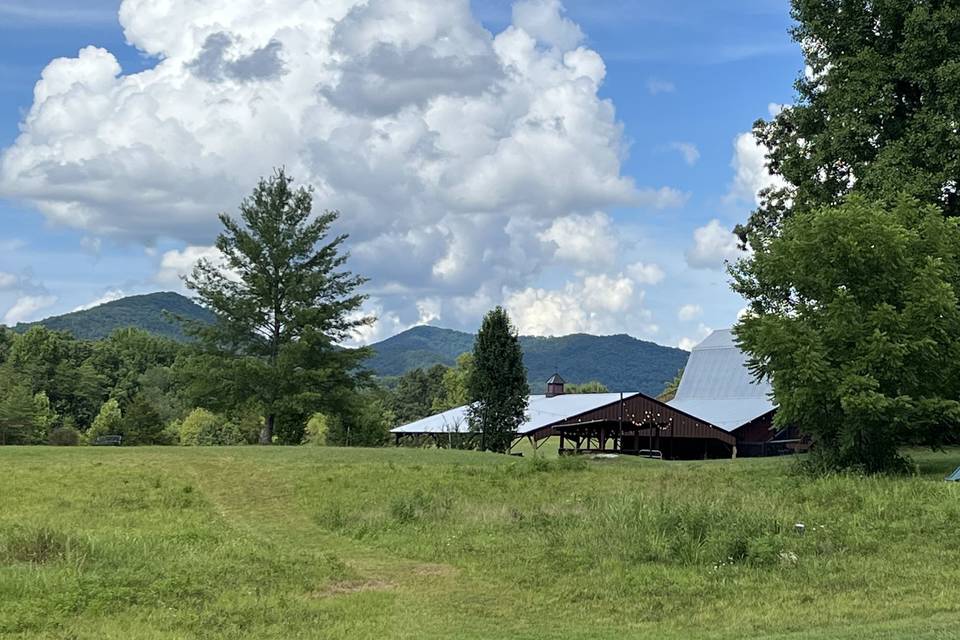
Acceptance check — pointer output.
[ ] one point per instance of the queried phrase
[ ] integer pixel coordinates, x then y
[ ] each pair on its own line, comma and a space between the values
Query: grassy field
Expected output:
338, 543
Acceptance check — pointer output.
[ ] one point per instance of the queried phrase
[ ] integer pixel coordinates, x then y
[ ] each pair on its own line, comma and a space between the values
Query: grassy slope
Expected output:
328, 543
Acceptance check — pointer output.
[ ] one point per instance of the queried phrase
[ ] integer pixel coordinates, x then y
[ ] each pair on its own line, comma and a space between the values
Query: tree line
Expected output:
270, 368
851, 279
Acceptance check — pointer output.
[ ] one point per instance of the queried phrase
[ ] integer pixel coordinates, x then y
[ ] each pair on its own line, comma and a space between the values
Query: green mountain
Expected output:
148, 312
620, 362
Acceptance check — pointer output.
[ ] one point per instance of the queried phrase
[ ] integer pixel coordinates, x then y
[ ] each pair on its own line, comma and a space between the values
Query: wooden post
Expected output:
671, 438
619, 446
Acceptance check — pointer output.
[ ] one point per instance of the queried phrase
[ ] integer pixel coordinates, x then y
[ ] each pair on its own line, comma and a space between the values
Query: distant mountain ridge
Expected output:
620, 362
150, 312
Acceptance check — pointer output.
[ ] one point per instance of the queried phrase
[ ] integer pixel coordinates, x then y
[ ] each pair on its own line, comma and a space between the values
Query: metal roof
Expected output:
555, 379
541, 412
717, 387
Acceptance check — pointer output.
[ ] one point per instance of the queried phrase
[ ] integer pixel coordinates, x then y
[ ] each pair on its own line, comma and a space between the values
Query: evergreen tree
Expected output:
364, 422
417, 392
282, 304
142, 423
18, 414
499, 392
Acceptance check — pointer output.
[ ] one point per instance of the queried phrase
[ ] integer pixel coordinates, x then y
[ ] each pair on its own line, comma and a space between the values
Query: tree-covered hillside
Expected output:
620, 362
149, 312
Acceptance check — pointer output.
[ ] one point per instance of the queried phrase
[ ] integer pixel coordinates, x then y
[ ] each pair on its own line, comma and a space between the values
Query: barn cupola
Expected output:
555, 386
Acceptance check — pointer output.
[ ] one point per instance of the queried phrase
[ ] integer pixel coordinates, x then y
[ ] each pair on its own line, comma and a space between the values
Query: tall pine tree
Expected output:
498, 387
283, 304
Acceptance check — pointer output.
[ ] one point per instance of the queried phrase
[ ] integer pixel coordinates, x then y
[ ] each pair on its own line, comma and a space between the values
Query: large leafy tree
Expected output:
875, 120
283, 304
60, 366
855, 319
876, 113
499, 392
456, 385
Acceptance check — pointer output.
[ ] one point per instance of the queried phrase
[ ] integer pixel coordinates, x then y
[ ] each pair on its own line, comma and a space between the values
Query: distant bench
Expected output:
108, 441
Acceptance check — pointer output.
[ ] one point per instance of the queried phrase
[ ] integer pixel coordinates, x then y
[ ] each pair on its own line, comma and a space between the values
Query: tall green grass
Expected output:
333, 543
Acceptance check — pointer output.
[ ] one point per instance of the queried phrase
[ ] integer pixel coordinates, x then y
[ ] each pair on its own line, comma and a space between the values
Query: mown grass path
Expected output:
338, 543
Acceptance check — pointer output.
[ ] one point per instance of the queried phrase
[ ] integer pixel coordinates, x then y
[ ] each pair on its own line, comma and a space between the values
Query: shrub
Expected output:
108, 422
205, 428
317, 429
64, 437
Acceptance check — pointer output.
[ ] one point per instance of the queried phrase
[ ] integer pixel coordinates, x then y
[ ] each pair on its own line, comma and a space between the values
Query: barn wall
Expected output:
641, 409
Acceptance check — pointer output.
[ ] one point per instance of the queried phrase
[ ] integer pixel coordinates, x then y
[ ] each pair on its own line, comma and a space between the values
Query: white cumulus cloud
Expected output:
109, 296
713, 246
645, 273
598, 304
176, 264
751, 175
689, 342
26, 308
449, 149
544, 20
583, 239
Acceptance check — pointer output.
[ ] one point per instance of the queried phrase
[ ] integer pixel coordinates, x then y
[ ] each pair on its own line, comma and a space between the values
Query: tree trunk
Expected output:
266, 433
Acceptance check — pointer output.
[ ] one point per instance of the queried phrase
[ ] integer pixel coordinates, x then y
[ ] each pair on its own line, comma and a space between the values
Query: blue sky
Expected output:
685, 78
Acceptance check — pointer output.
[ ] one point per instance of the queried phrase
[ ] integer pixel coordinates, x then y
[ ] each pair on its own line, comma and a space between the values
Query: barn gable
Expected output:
717, 387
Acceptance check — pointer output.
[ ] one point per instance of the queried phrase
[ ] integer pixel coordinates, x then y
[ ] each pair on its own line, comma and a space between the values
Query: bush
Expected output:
317, 429
64, 437
205, 428
107, 423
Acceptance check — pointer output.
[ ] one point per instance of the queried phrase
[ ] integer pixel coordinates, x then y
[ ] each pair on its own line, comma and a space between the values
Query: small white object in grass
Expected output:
799, 528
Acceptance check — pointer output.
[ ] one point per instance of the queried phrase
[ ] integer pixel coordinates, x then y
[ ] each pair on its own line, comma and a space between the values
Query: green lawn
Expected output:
339, 543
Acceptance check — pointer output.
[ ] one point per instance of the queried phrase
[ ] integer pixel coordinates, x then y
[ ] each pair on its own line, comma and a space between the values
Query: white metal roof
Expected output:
717, 387
542, 411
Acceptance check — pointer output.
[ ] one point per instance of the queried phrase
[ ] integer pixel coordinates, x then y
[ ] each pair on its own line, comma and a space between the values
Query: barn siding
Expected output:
639, 409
